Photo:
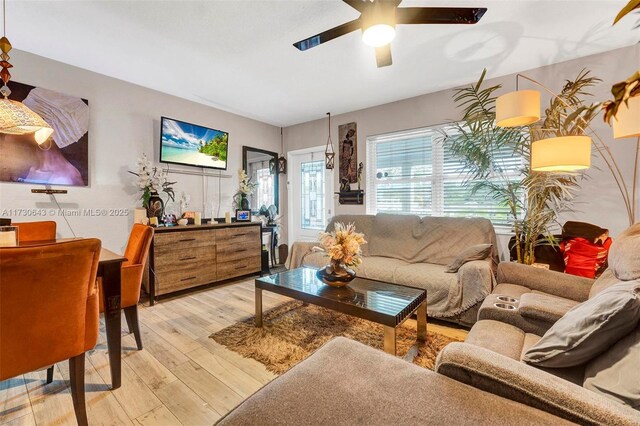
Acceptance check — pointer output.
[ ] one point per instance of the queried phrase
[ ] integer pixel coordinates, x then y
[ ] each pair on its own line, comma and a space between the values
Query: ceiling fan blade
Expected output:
325, 36
359, 5
362, 5
383, 56
439, 15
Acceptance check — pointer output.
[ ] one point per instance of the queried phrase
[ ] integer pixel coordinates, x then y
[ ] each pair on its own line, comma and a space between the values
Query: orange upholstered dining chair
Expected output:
36, 231
136, 253
49, 310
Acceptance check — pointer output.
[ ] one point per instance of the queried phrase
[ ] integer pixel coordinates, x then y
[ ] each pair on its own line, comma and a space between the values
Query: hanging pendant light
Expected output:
561, 154
15, 117
519, 108
282, 162
329, 153
626, 122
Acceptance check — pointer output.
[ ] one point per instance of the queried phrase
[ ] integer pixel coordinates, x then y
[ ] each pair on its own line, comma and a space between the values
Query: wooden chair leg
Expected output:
76, 373
50, 374
131, 314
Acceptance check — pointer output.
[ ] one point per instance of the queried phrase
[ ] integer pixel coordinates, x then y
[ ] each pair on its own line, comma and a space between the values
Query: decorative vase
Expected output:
336, 274
155, 208
244, 202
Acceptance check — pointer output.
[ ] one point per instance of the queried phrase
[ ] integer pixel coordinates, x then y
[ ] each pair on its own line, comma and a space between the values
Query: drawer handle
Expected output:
188, 279
187, 239
238, 235
188, 258
240, 250
241, 267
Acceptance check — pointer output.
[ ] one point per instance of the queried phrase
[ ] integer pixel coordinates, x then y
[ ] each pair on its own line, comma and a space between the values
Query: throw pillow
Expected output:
477, 252
615, 373
589, 329
624, 258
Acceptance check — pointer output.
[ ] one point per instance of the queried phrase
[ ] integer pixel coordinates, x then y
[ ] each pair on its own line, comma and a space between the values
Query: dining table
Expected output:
109, 269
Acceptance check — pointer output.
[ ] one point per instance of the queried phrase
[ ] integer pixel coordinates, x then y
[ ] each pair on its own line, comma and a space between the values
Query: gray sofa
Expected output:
347, 383
415, 251
533, 299
490, 358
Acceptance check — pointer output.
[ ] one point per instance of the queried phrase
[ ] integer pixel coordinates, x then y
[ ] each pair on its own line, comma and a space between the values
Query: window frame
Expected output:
437, 179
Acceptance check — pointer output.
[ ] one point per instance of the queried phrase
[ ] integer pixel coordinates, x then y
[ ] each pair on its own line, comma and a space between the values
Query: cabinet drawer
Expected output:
194, 257
239, 235
229, 252
180, 279
177, 240
237, 268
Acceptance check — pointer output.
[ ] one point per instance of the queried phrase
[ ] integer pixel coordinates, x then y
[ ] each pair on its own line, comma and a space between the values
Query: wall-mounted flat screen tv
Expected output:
192, 145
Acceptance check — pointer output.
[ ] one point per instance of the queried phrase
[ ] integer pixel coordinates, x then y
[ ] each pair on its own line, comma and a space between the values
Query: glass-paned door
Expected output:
310, 197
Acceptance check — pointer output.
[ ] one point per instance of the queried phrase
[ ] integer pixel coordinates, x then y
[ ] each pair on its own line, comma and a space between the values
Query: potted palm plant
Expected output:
534, 198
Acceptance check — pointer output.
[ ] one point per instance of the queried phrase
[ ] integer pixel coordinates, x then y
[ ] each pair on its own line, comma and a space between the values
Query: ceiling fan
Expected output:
378, 19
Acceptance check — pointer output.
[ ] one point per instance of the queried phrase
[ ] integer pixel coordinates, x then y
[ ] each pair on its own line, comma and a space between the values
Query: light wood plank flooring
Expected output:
180, 377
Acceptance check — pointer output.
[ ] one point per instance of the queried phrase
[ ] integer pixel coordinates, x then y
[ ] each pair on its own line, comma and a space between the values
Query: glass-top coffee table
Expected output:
381, 302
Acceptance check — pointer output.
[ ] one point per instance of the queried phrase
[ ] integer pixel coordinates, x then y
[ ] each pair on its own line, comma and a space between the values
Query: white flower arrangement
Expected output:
150, 180
246, 186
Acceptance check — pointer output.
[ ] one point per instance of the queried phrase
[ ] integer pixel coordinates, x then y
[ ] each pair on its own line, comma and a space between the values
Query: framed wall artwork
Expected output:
348, 152
61, 160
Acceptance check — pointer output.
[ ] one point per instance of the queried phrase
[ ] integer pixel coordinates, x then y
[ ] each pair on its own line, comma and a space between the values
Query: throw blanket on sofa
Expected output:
414, 251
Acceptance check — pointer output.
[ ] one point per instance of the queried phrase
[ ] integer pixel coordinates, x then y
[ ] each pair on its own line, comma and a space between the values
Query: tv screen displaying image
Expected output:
192, 145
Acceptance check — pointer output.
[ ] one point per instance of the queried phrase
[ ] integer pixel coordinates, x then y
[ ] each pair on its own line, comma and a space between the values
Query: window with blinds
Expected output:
413, 172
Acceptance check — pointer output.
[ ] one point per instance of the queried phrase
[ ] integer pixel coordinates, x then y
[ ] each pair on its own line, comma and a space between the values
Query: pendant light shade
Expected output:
329, 153
626, 122
561, 154
518, 108
282, 165
282, 161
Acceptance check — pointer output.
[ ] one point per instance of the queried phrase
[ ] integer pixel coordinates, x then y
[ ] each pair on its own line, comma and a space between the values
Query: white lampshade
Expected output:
626, 123
518, 108
17, 119
561, 154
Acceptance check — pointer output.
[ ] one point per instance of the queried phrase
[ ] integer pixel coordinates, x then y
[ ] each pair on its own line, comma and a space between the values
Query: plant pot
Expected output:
155, 207
336, 274
244, 202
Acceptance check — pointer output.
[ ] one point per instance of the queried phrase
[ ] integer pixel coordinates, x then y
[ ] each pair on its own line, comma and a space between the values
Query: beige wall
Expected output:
125, 124
598, 200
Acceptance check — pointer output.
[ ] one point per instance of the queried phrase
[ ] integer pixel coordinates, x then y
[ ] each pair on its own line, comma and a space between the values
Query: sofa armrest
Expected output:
551, 282
514, 380
543, 307
477, 273
299, 250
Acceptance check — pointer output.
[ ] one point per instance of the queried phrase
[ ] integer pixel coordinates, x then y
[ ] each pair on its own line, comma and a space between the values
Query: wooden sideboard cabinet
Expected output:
183, 257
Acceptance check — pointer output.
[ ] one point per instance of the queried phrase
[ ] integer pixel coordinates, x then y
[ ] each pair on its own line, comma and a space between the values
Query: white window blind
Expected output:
413, 172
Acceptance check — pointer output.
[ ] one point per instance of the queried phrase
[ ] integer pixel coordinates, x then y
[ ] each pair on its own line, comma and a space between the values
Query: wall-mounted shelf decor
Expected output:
351, 197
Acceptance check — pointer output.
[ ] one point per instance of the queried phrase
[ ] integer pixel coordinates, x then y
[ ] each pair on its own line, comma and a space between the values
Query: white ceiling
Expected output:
238, 55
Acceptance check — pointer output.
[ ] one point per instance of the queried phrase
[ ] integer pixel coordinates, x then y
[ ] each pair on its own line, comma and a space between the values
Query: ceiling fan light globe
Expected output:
378, 35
